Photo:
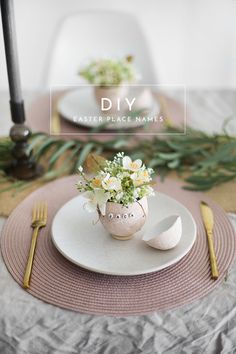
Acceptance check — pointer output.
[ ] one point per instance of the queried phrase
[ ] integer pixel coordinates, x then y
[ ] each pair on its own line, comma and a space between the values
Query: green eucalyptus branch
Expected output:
208, 160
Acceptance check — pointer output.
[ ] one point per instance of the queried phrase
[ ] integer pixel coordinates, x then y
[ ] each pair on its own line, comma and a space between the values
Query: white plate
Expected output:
88, 245
81, 103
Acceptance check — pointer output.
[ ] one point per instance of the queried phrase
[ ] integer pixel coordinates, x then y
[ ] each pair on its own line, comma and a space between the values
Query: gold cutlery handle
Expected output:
56, 123
214, 269
28, 270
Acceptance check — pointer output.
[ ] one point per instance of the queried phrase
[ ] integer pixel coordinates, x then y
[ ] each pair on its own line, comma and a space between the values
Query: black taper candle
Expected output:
9, 34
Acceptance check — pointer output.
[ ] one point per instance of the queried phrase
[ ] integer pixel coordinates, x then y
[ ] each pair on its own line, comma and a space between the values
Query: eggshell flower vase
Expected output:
123, 222
112, 93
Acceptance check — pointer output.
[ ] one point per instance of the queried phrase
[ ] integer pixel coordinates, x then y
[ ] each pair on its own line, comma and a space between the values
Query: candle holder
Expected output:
23, 165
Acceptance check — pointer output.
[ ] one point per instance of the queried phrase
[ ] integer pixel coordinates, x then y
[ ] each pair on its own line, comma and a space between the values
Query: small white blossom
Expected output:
97, 199
120, 154
110, 183
119, 196
136, 194
140, 177
131, 165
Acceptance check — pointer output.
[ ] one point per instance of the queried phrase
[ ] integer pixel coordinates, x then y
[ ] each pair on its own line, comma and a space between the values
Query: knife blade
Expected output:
208, 220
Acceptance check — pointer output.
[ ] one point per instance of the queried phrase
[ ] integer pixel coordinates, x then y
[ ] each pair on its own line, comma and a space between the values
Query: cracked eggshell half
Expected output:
166, 234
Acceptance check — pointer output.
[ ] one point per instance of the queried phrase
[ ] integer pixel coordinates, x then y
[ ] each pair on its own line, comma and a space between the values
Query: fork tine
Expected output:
38, 211
34, 215
45, 212
41, 211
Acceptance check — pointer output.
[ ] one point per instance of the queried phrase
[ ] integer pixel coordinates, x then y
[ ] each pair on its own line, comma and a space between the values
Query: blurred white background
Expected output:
193, 42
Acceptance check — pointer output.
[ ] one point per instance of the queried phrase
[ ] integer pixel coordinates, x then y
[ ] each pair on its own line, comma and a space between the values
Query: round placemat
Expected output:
59, 282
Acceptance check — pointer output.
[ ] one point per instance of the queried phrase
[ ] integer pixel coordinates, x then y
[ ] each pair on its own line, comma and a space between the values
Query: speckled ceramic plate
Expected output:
81, 238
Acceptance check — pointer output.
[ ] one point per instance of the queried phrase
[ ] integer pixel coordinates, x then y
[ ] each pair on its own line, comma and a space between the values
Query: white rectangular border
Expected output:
120, 134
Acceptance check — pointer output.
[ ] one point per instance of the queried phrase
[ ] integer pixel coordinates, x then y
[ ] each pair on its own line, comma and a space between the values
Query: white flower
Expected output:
136, 193
97, 199
120, 154
150, 171
111, 183
149, 191
119, 196
140, 177
80, 169
131, 165
121, 175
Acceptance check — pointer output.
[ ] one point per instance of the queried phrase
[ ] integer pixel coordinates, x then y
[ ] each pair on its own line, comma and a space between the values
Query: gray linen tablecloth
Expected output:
30, 326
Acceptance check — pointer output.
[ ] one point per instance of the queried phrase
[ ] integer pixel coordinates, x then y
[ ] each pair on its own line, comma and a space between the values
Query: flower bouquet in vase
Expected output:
118, 192
110, 77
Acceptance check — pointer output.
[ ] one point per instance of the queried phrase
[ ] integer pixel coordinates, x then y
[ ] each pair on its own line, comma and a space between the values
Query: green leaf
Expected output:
173, 164
198, 179
156, 162
84, 153
45, 147
169, 156
120, 143
220, 154
64, 147
36, 139
12, 186
174, 145
197, 188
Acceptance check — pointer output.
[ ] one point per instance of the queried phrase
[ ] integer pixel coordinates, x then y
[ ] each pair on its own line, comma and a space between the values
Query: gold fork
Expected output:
39, 220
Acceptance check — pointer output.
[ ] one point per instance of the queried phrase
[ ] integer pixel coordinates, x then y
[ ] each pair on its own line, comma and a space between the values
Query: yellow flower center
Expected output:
134, 165
138, 182
96, 182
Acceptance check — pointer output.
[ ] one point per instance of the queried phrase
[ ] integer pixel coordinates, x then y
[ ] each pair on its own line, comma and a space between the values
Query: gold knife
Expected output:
208, 220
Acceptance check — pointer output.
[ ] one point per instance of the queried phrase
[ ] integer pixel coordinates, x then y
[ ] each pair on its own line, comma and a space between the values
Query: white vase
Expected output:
123, 222
111, 93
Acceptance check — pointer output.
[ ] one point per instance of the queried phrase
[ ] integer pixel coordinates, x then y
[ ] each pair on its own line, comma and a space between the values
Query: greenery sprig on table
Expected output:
203, 160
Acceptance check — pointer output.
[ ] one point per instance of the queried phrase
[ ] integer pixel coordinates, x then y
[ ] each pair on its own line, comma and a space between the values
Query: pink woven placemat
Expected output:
59, 282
